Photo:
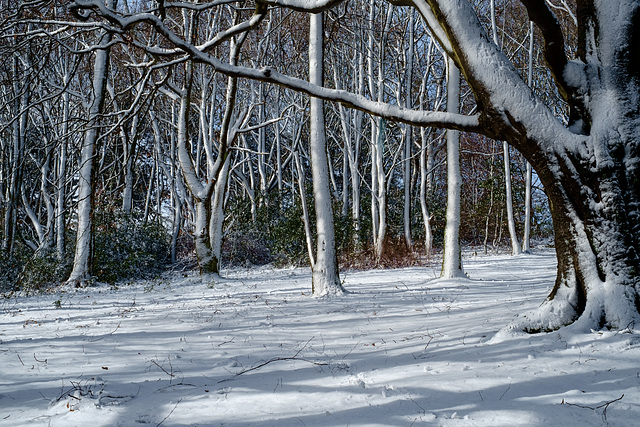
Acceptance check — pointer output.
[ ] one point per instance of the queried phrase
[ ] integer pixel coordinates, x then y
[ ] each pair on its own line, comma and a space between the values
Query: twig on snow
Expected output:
171, 374
277, 359
604, 405
169, 414
505, 392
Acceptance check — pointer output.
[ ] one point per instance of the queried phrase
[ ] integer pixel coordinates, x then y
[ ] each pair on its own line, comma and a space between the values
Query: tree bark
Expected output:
325, 277
452, 259
84, 239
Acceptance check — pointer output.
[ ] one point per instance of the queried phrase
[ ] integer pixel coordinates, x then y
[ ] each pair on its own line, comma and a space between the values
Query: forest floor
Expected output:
402, 348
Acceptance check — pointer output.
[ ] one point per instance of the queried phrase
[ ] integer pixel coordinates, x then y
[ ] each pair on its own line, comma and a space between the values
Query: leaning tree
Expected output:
589, 165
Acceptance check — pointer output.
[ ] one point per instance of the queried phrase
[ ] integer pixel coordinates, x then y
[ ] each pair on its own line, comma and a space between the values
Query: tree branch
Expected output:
391, 112
554, 47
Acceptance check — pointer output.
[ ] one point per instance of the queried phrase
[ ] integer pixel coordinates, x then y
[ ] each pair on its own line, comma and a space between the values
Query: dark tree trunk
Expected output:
593, 181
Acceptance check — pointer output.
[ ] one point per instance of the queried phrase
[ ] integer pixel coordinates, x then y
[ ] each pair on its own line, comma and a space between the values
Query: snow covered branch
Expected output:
269, 75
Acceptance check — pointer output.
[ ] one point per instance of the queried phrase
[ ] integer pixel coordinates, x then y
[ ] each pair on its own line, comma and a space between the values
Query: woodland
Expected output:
138, 136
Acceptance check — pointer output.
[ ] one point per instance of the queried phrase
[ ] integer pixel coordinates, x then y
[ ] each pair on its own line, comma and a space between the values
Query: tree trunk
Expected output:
515, 244
526, 239
305, 210
378, 134
61, 178
217, 210
407, 134
590, 169
325, 277
84, 239
406, 161
424, 171
202, 194
452, 259
18, 131
526, 244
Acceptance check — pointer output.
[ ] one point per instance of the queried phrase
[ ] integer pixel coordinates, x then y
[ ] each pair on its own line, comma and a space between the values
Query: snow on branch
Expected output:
313, 6
201, 54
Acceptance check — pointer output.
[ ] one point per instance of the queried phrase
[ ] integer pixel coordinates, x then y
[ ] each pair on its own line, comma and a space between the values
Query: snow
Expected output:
401, 348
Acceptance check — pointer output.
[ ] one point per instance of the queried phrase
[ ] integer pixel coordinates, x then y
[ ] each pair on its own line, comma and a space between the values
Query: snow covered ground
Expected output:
402, 348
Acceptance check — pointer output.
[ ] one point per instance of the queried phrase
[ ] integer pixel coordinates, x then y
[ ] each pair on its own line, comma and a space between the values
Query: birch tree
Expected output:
526, 239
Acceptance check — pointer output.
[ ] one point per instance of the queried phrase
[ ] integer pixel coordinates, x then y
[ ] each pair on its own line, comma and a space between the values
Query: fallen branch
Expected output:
277, 359
604, 405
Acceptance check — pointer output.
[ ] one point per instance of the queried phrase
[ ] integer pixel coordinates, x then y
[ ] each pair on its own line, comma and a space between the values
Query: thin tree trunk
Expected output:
526, 241
305, 211
408, 143
61, 181
325, 277
490, 211
526, 244
84, 239
424, 171
452, 259
515, 244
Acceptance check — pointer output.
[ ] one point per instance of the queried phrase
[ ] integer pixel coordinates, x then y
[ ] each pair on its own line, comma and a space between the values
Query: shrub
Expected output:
245, 248
127, 248
10, 268
45, 269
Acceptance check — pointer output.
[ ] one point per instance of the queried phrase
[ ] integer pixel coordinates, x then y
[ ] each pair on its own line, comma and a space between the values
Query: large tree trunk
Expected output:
594, 190
590, 170
597, 240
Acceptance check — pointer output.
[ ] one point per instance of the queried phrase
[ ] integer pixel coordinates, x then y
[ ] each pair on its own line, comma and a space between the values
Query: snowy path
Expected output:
401, 349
